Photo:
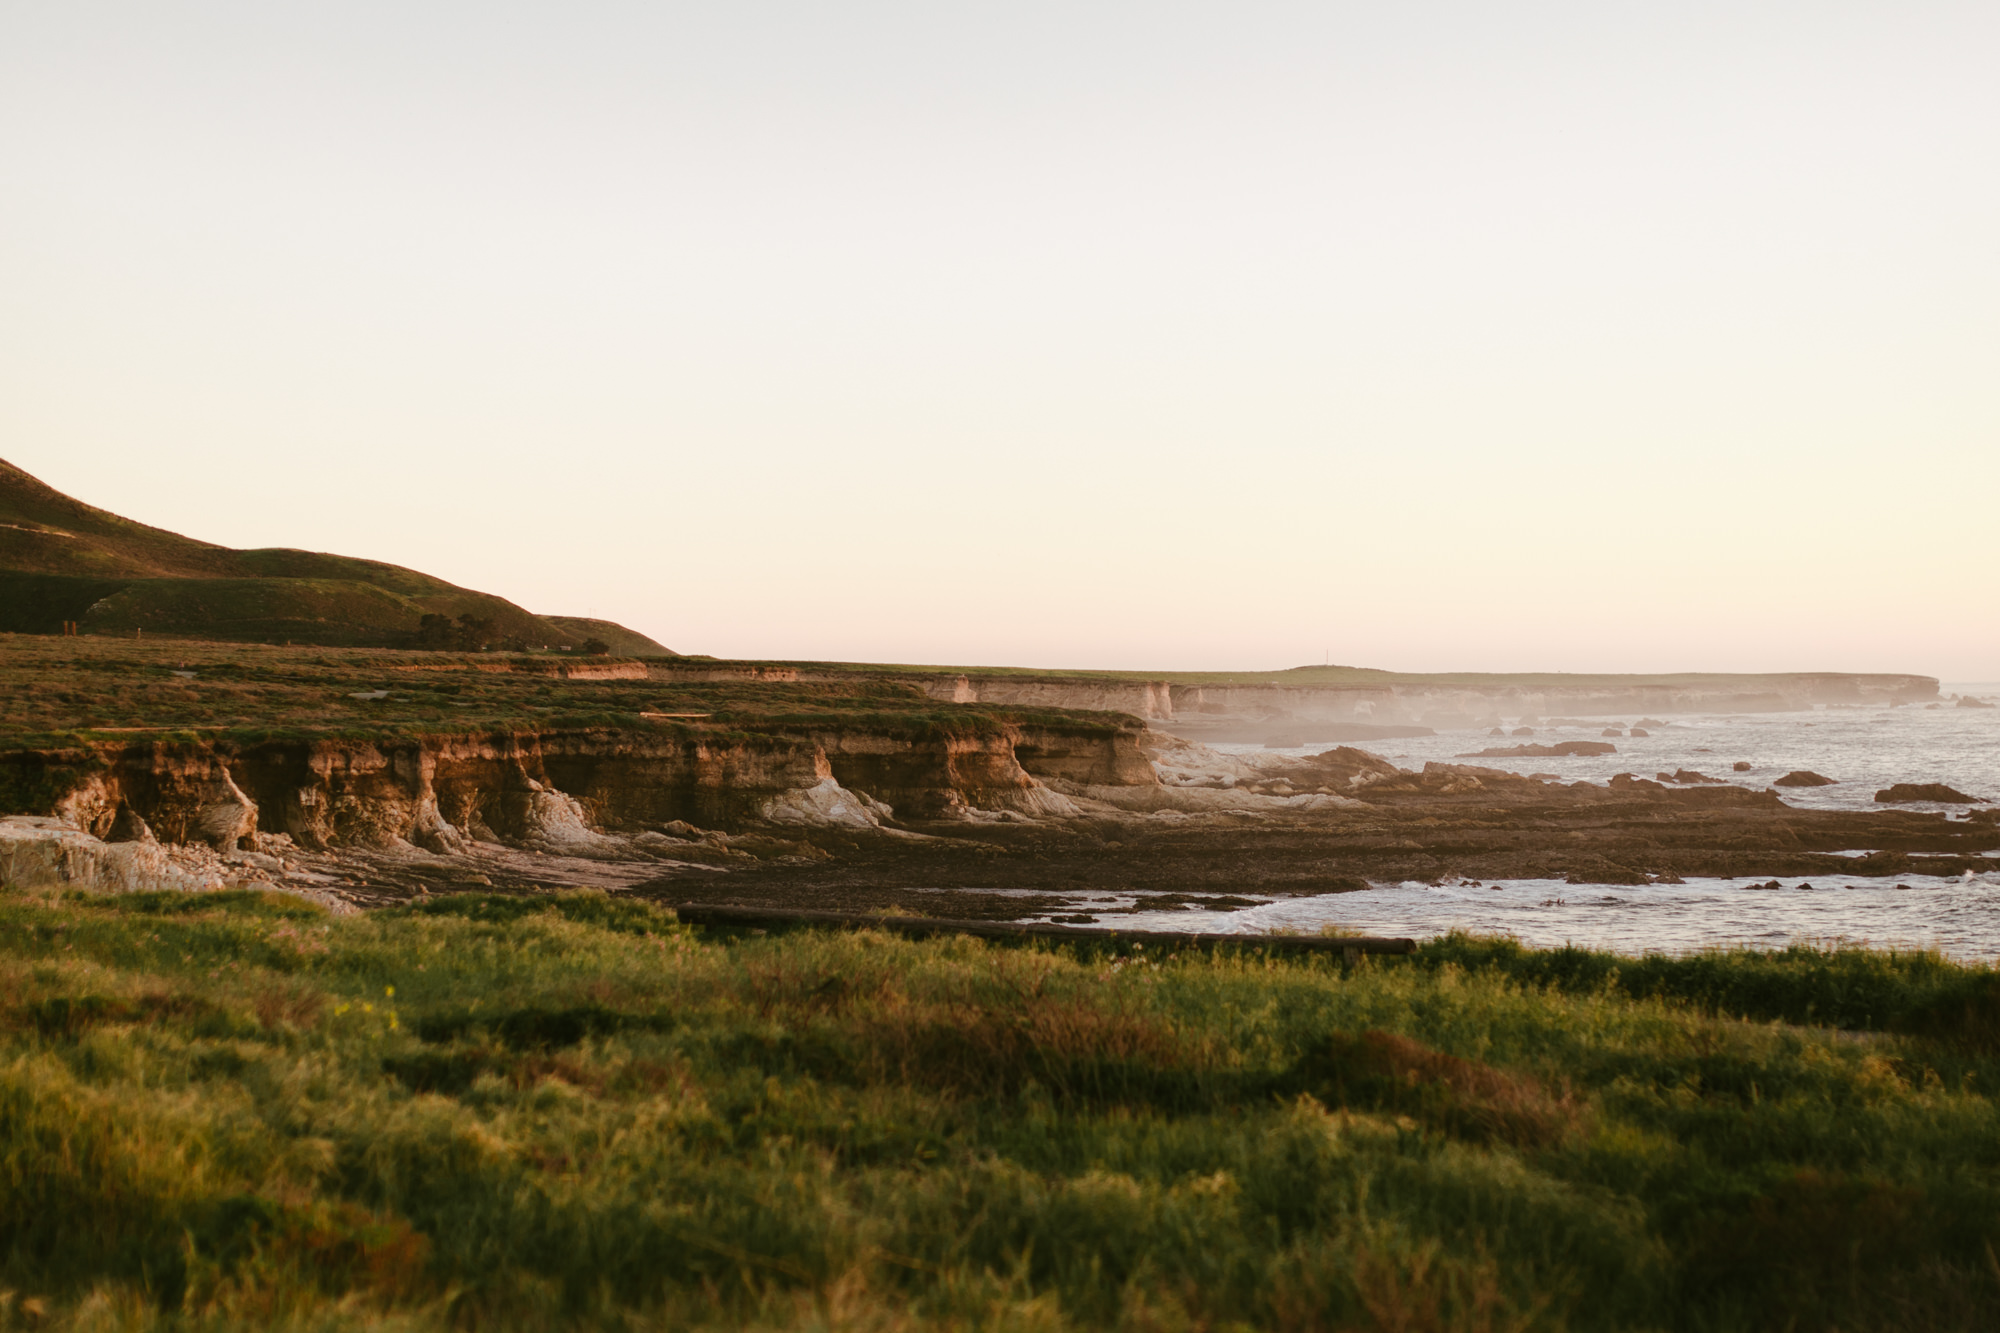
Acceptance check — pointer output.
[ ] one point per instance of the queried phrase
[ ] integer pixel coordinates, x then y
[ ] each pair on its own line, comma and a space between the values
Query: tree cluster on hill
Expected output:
466, 634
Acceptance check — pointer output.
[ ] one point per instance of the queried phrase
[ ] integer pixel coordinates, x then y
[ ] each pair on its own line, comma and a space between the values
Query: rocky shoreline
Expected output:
1007, 823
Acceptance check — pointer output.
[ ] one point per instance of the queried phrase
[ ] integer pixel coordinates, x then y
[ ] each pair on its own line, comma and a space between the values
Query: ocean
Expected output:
1863, 749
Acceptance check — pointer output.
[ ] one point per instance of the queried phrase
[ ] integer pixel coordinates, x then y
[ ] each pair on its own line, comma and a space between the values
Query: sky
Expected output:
1438, 335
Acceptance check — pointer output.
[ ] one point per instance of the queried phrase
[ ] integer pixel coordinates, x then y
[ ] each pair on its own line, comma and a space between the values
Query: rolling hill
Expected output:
63, 560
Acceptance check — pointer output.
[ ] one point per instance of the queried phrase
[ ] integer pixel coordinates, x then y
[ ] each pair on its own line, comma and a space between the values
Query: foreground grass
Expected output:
492, 1113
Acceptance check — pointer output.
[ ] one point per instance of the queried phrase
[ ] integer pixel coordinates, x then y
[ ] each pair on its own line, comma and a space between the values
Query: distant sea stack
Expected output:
66, 566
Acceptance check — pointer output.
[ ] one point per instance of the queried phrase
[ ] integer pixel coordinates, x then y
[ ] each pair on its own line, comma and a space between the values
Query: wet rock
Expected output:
1633, 782
1741, 766
1639, 731
1805, 778
1967, 701
1456, 779
1905, 792
1342, 768
1649, 722
1496, 732
1523, 731
1612, 731
1560, 750
1688, 775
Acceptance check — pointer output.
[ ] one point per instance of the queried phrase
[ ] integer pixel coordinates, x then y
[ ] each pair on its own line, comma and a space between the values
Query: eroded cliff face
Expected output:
939, 779
1121, 758
569, 792
1151, 700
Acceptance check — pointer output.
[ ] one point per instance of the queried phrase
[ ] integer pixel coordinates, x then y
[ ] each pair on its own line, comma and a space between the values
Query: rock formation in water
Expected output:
1560, 750
1909, 793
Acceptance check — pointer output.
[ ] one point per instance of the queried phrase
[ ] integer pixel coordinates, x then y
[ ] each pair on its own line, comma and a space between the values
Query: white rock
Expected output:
37, 851
826, 802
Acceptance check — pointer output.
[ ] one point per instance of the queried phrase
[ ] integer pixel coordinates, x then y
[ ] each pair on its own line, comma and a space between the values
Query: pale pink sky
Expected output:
1562, 336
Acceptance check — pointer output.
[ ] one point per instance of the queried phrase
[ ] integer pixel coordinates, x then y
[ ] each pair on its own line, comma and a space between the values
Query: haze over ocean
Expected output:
1437, 336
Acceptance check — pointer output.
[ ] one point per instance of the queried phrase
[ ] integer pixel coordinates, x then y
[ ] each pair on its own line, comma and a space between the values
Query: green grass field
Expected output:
60, 692
231, 1111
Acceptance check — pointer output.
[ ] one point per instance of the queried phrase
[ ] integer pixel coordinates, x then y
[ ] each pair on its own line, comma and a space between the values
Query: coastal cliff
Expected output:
561, 789
373, 775
1249, 711
1250, 706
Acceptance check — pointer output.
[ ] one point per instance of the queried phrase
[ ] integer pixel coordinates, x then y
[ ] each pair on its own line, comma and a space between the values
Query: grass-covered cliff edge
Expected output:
232, 1111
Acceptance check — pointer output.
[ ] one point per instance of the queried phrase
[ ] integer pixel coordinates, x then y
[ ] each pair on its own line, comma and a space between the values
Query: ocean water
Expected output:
1863, 749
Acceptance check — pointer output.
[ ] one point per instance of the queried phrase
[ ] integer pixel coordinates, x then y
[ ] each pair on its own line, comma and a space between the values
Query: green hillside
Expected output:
620, 641
65, 561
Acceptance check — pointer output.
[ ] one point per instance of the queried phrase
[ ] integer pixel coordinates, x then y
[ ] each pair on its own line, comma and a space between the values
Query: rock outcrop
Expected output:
1560, 750
43, 850
570, 792
1910, 793
1803, 778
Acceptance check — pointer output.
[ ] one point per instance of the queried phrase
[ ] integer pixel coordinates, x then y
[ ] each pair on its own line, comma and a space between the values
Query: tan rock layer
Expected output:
566, 790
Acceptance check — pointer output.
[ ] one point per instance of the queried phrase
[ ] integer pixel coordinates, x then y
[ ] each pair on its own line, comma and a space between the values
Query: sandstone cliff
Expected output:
564, 790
